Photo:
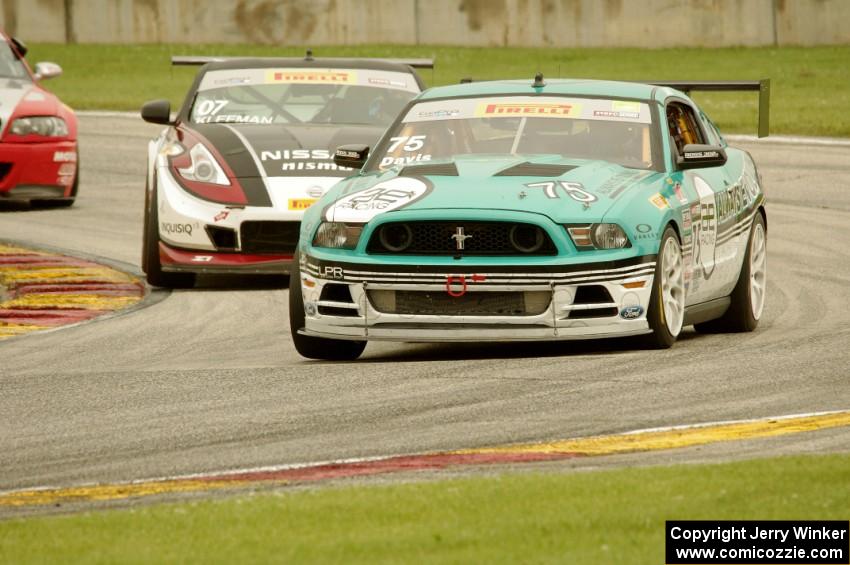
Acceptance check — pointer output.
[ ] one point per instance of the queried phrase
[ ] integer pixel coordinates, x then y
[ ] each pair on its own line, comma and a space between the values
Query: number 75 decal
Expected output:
573, 189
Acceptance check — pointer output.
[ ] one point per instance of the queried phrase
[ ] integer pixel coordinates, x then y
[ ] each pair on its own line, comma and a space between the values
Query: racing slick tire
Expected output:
315, 347
747, 298
151, 264
667, 301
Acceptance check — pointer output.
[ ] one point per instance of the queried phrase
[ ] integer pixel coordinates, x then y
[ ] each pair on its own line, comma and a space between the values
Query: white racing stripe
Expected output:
11, 93
499, 278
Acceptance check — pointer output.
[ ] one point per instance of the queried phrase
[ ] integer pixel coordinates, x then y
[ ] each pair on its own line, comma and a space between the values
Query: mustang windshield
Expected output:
302, 95
582, 128
10, 66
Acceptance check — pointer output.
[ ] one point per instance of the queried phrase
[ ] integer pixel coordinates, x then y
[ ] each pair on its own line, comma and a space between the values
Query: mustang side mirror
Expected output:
45, 70
352, 156
157, 112
700, 156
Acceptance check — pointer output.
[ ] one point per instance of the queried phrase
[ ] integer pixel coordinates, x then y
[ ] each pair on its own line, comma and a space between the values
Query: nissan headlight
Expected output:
45, 126
598, 236
337, 235
203, 167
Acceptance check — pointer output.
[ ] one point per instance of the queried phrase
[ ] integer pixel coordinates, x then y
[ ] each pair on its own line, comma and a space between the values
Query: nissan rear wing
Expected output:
189, 60
761, 86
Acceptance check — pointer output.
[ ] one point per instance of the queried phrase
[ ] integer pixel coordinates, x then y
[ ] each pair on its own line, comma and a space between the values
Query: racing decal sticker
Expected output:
210, 112
221, 216
386, 196
379, 81
574, 190
301, 203
644, 231
659, 201
680, 193
530, 107
406, 160
439, 114
620, 109
65, 157
537, 110
463, 280
614, 186
408, 144
233, 79
305, 162
687, 247
311, 76
705, 229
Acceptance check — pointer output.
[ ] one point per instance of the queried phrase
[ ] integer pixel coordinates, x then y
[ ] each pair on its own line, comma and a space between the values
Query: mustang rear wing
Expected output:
187, 60
762, 86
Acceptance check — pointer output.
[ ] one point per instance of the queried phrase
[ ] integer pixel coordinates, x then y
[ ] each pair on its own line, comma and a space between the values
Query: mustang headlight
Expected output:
337, 235
203, 167
598, 236
45, 126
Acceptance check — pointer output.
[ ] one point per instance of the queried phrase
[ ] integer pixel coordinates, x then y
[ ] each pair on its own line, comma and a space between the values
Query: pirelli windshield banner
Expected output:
553, 107
309, 75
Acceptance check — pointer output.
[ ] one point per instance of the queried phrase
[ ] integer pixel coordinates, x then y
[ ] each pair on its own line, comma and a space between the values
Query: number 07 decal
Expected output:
573, 189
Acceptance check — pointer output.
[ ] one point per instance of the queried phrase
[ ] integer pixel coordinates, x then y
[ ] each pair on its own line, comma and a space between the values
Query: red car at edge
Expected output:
38, 133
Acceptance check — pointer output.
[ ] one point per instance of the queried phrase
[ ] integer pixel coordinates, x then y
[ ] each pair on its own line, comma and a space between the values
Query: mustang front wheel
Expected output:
667, 302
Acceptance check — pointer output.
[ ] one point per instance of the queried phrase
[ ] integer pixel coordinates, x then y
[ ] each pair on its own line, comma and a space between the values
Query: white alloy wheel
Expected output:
758, 270
672, 286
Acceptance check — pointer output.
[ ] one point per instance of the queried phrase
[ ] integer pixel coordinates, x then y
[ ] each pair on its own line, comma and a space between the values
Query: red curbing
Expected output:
435, 461
41, 290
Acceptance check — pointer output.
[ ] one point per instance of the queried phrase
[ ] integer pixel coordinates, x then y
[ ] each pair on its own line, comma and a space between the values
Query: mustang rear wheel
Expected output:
151, 264
667, 301
315, 347
747, 299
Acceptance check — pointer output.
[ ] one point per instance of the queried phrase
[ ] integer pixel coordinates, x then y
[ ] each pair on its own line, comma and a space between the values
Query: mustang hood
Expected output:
283, 150
564, 190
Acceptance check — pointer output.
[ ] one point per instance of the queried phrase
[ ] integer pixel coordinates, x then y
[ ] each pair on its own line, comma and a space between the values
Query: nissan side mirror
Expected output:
45, 70
157, 112
695, 156
351, 156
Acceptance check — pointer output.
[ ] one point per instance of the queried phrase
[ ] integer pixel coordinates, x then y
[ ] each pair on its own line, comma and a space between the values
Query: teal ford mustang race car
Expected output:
545, 210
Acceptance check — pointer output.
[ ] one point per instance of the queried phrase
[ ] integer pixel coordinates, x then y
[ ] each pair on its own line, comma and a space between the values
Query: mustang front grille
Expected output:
269, 237
460, 238
439, 303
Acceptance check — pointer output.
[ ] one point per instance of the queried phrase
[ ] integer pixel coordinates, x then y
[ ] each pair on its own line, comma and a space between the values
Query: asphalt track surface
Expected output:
207, 379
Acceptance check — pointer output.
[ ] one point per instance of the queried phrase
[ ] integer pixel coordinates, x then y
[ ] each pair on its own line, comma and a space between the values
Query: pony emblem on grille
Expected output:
460, 238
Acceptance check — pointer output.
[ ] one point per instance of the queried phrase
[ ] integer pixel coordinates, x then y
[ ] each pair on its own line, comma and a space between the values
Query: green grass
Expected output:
811, 86
614, 516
